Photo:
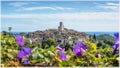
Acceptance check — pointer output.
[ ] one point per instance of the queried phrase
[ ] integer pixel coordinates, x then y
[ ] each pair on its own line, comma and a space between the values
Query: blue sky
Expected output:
92, 16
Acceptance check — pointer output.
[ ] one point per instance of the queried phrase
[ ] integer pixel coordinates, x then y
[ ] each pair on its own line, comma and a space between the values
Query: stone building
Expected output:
61, 27
63, 36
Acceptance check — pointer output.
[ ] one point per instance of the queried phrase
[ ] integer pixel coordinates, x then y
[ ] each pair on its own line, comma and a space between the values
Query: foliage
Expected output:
48, 42
22, 33
106, 38
9, 49
50, 57
4, 32
9, 28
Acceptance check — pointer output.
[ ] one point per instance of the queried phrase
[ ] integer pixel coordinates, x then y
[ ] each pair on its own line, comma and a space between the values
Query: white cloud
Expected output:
17, 4
67, 16
110, 6
79, 25
43, 8
83, 21
37, 8
110, 3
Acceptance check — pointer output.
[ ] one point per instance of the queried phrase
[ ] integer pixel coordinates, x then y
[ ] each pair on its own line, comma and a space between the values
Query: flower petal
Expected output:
116, 42
79, 48
62, 55
76, 50
26, 50
116, 38
115, 46
19, 40
96, 53
21, 54
59, 48
26, 61
80, 44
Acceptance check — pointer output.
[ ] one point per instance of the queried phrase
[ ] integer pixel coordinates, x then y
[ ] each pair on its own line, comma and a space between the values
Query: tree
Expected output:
4, 32
22, 33
50, 41
94, 36
9, 29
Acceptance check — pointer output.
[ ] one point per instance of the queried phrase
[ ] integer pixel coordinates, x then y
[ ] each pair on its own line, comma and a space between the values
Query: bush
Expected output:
50, 57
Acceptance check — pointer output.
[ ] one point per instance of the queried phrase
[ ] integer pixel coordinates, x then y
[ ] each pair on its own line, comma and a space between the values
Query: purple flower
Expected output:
116, 38
19, 40
26, 61
115, 46
96, 54
82, 45
21, 54
59, 48
116, 42
24, 52
62, 55
79, 48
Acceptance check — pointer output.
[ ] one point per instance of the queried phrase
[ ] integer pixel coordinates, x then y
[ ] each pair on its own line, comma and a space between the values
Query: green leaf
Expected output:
34, 49
9, 50
10, 55
34, 56
15, 51
46, 54
51, 53
40, 55
47, 59
57, 59
78, 59
60, 65
34, 61
68, 57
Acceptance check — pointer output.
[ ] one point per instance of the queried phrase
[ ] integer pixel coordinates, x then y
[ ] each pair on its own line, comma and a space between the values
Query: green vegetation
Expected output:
9, 28
48, 42
48, 56
104, 40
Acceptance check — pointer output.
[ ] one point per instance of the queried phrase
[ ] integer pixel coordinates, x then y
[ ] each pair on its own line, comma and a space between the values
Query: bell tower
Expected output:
61, 27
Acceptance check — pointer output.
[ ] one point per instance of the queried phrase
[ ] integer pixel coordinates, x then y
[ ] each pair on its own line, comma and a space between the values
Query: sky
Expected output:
87, 16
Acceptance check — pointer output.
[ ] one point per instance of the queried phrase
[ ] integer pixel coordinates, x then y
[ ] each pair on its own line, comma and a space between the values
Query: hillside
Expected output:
62, 36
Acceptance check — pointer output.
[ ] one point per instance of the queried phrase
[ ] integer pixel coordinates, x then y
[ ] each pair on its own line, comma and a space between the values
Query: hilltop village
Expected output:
62, 36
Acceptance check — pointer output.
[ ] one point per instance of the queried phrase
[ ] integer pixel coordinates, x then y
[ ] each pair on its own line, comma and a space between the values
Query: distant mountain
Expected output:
105, 37
105, 40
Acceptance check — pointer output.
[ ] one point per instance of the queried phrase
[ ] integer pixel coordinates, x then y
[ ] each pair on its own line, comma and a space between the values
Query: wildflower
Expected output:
21, 54
96, 54
116, 42
59, 48
62, 55
26, 61
79, 48
116, 38
82, 45
24, 52
19, 40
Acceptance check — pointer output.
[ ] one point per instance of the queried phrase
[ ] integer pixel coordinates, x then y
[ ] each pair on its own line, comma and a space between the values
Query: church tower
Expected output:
61, 27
